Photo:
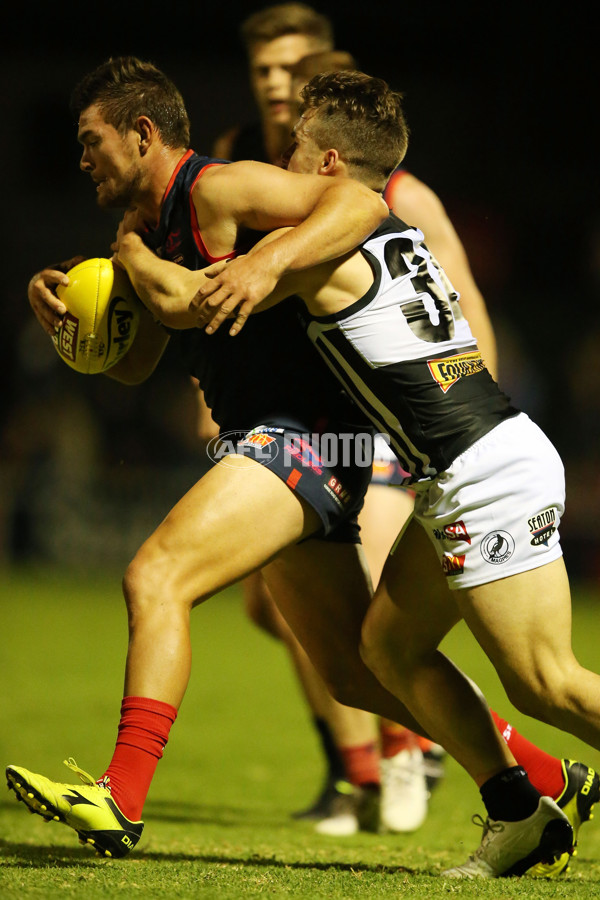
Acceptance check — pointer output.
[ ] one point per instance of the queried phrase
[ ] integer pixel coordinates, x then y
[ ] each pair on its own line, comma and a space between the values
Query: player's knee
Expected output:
147, 583
380, 653
135, 587
370, 653
343, 677
370, 647
539, 691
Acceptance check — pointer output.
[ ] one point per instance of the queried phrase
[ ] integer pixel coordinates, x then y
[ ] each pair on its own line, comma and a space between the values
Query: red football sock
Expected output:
361, 763
143, 734
394, 739
545, 771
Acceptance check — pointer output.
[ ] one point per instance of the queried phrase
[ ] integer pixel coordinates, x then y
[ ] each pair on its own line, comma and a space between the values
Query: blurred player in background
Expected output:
275, 39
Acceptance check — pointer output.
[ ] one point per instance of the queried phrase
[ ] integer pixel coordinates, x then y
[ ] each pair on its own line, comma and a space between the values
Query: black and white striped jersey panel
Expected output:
389, 348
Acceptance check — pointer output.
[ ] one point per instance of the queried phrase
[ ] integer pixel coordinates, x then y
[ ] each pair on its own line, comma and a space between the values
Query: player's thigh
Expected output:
412, 608
323, 591
260, 607
523, 622
384, 514
231, 522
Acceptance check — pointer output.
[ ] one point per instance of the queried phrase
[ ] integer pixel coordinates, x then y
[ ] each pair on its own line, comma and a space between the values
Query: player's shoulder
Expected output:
243, 178
220, 169
231, 189
409, 197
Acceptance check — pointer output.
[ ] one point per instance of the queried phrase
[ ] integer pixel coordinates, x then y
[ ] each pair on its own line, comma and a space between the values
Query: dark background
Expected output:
502, 105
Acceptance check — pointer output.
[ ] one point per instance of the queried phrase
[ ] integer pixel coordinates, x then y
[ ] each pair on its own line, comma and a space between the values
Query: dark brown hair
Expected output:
323, 61
362, 118
125, 88
287, 18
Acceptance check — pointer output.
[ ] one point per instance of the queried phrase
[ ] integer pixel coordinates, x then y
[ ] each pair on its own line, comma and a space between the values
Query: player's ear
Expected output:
330, 162
146, 130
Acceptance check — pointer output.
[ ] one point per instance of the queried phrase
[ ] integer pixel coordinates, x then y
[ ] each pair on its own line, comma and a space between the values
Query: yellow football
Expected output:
102, 318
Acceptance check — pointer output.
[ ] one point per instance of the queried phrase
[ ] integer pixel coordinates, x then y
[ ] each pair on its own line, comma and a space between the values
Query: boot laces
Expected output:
490, 828
84, 776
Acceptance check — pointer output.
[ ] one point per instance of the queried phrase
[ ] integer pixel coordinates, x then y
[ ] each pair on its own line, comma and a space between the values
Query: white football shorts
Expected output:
496, 510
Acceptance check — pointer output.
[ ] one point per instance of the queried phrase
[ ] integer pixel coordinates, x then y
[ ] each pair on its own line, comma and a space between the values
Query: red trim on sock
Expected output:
361, 763
545, 771
394, 739
143, 734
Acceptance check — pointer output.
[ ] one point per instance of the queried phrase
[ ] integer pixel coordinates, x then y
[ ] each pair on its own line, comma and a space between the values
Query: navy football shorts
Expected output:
330, 470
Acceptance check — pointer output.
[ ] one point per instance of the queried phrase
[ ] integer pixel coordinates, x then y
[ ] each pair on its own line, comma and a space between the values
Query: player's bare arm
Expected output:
326, 289
41, 292
164, 287
332, 217
415, 203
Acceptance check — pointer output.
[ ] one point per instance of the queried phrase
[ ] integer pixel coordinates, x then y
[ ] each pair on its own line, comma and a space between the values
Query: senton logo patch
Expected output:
542, 526
449, 370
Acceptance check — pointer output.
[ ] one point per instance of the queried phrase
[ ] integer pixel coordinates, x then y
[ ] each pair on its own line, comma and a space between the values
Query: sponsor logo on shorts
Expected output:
299, 449
293, 479
453, 565
497, 547
455, 531
328, 450
447, 371
258, 446
542, 526
261, 440
336, 489
316, 451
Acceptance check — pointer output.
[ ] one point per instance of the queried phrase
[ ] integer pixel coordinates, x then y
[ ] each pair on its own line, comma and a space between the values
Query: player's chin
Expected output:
110, 199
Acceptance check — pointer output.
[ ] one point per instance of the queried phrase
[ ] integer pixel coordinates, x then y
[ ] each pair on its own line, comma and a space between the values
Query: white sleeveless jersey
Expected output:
406, 355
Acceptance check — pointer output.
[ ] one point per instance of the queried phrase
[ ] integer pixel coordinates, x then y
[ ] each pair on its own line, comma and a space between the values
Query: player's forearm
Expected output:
165, 288
343, 217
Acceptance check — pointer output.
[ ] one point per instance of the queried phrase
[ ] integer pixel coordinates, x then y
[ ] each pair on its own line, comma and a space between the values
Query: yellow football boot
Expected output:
89, 809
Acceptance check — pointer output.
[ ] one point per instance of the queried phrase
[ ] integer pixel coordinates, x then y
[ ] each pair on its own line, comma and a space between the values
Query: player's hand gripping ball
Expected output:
102, 318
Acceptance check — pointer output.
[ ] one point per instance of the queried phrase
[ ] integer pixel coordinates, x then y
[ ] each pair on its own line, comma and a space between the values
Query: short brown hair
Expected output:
362, 118
287, 18
323, 61
125, 88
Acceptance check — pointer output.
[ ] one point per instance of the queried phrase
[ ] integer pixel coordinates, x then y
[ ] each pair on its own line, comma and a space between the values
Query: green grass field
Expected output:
241, 757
